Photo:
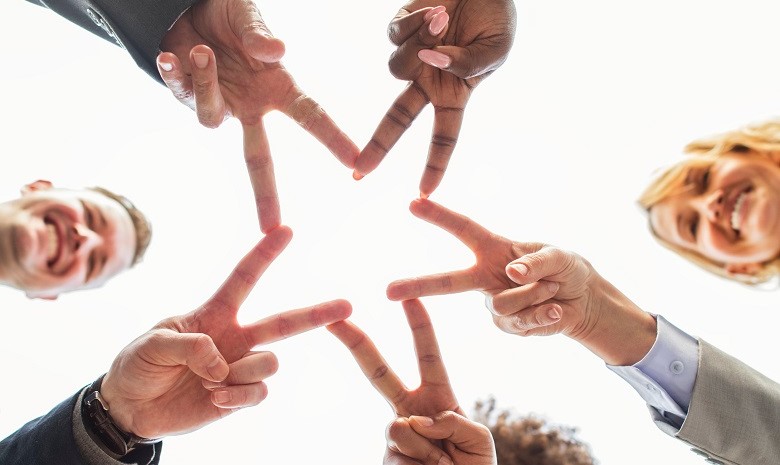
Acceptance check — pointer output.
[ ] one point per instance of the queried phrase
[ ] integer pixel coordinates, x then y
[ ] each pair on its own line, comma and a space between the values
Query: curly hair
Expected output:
529, 440
757, 140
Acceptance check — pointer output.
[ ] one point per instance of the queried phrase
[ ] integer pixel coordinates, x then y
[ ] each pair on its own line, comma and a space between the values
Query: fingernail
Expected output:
433, 11
445, 461
438, 23
222, 397
436, 59
357, 176
201, 60
425, 421
552, 286
166, 66
211, 385
553, 313
423, 195
520, 268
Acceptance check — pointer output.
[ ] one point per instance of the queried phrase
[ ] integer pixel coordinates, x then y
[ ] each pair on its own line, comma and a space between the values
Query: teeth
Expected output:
51, 249
736, 211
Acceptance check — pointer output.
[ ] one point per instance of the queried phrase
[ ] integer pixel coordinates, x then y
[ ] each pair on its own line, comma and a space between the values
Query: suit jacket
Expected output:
60, 438
137, 26
734, 415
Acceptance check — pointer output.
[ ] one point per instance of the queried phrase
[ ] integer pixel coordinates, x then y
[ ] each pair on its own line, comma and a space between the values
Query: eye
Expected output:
694, 226
90, 266
704, 180
89, 218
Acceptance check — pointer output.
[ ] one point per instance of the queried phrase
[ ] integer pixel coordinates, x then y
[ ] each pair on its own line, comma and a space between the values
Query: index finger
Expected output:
237, 286
460, 226
260, 166
446, 128
432, 369
395, 122
384, 380
311, 117
287, 324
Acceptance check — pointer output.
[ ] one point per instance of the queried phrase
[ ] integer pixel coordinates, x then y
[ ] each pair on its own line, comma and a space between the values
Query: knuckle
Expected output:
201, 346
396, 429
272, 363
379, 373
283, 326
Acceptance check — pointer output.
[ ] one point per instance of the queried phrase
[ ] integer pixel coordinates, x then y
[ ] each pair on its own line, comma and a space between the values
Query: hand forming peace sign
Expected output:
444, 51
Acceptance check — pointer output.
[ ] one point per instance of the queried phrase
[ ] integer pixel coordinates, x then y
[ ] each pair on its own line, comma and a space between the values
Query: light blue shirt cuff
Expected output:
665, 376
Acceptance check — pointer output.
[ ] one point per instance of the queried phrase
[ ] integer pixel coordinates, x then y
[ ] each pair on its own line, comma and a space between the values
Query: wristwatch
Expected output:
101, 427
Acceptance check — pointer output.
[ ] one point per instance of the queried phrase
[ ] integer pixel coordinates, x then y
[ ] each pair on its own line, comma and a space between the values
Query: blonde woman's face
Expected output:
730, 212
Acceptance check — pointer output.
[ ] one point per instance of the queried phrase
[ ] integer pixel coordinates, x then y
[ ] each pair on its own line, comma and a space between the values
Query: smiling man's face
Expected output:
60, 240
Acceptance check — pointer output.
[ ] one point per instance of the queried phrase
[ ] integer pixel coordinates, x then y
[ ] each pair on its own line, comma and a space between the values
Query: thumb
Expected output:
466, 435
195, 350
533, 267
255, 36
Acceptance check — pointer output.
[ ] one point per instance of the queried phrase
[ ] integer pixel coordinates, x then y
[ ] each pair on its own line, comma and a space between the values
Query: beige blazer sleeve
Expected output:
734, 415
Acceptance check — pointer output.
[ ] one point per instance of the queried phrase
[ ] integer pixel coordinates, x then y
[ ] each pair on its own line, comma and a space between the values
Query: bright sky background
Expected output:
555, 147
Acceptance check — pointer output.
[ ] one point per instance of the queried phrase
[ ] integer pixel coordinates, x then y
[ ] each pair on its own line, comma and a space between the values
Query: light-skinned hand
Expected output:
444, 50
434, 395
196, 368
221, 60
536, 289
415, 440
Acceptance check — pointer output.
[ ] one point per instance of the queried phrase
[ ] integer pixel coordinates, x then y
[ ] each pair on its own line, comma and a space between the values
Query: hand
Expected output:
413, 441
444, 52
193, 369
220, 60
536, 289
434, 394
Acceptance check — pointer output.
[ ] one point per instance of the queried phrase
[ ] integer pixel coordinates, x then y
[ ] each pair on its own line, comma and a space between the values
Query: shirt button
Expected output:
677, 367
650, 387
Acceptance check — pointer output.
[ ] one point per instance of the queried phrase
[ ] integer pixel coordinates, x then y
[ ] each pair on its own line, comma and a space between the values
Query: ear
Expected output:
33, 295
749, 269
39, 185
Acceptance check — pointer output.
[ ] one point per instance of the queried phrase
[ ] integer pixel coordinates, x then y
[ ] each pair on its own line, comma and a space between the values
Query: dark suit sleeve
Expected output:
138, 26
45, 440
50, 440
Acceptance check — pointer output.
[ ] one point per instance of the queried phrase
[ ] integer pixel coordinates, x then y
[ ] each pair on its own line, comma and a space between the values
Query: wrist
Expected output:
120, 413
102, 428
621, 333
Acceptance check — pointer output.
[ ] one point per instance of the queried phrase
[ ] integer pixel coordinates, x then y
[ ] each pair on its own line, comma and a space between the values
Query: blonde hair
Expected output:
760, 140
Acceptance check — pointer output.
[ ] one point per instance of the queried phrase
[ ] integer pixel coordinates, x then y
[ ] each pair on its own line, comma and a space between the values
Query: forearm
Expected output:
137, 26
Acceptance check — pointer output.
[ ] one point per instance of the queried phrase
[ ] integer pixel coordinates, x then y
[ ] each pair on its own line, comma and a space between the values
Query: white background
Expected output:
555, 147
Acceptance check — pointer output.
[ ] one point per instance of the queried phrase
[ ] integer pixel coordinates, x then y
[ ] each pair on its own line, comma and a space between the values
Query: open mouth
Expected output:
53, 241
739, 209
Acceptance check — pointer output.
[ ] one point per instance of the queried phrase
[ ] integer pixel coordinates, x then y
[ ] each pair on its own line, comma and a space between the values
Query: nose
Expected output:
712, 206
84, 239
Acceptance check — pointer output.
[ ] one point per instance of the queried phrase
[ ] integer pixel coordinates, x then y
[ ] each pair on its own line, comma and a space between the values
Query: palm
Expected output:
160, 395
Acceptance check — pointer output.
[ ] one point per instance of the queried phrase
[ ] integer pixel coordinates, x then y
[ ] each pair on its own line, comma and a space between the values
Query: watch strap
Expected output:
102, 428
